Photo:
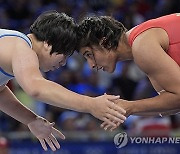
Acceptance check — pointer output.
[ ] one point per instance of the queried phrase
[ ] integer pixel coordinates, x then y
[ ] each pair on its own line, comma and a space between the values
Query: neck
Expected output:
124, 50
36, 45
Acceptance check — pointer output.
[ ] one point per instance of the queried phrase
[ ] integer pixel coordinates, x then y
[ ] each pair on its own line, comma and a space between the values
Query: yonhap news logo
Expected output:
122, 139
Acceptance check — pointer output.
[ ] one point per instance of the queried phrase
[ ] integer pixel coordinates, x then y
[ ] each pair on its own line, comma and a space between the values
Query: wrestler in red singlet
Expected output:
171, 24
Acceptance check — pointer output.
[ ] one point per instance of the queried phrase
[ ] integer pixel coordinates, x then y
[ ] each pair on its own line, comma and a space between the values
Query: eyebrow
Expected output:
85, 52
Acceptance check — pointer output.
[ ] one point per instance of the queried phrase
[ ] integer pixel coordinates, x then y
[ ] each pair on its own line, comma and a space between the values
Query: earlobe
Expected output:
47, 46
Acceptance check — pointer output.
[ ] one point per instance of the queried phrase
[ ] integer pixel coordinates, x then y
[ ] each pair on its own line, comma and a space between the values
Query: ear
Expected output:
103, 40
47, 46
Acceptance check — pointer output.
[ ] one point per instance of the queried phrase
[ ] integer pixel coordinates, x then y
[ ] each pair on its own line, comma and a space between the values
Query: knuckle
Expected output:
104, 119
115, 119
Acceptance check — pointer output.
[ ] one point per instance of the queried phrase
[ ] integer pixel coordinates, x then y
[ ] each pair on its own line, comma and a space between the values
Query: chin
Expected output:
111, 70
45, 70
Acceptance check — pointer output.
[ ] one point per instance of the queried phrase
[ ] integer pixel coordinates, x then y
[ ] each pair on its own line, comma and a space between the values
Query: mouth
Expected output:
53, 68
100, 68
57, 67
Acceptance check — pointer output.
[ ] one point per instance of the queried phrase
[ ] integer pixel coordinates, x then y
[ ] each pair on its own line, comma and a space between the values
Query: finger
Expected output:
43, 144
114, 127
54, 140
109, 122
61, 135
117, 125
107, 126
113, 118
103, 124
119, 109
112, 97
49, 142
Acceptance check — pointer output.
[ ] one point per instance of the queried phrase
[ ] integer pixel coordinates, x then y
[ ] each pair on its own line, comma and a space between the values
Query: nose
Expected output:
91, 64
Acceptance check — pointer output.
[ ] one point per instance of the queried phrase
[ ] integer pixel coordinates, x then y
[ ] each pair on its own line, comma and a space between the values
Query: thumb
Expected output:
57, 132
112, 97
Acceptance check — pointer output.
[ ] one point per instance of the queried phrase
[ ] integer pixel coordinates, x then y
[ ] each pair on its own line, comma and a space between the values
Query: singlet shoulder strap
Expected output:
6, 32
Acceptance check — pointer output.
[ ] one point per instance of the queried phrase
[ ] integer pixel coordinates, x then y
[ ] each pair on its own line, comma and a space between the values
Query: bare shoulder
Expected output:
151, 57
151, 35
148, 45
25, 66
24, 56
10, 47
22, 49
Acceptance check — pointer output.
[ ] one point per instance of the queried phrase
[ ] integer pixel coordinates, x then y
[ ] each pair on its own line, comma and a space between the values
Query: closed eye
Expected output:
89, 55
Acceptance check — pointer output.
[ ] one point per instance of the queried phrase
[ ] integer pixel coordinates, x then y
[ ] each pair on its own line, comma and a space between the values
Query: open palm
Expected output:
44, 131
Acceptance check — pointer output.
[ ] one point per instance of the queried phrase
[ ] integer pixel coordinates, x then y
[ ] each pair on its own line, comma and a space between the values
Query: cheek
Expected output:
48, 62
61, 58
103, 61
56, 59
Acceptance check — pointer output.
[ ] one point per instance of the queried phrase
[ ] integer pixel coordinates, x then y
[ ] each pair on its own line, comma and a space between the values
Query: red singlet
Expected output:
171, 24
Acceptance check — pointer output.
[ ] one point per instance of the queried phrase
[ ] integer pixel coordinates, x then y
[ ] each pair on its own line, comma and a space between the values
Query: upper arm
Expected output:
156, 85
25, 66
157, 64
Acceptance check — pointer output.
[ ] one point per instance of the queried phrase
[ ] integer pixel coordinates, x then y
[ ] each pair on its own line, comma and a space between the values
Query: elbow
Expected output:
34, 93
178, 100
178, 94
34, 89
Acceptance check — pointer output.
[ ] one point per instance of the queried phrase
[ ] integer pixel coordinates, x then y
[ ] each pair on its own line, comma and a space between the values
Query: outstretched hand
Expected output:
106, 110
44, 131
123, 104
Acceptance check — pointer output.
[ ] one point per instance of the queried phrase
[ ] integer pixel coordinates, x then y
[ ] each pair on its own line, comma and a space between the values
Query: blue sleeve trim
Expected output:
1, 70
17, 36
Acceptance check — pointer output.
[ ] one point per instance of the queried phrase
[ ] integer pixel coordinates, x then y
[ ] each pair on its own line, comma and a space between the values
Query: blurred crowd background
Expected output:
127, 81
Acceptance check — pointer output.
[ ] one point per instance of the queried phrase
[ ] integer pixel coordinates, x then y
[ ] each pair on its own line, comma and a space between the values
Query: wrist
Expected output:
129, 108
133, 108
31, 119
87, 104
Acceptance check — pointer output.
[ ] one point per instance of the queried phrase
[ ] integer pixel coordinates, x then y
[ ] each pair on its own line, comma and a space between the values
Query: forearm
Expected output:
11, 106
159, 104
59, 96
166, 113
